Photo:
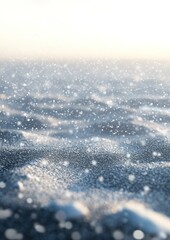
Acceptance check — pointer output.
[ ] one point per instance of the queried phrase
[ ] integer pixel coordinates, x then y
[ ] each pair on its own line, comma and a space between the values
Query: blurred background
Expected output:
55, 29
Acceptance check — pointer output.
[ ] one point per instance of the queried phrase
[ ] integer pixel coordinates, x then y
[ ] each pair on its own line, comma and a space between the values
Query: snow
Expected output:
139, 217
82, 145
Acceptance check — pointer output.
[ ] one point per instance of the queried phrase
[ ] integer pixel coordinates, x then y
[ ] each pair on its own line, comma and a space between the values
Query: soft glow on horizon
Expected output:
84, 28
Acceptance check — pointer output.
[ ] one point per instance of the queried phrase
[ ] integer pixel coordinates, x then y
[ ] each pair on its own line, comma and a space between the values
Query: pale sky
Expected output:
85, 29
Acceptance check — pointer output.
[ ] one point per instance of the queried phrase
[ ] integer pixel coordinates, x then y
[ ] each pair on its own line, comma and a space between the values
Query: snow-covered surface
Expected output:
140, 217
82, 144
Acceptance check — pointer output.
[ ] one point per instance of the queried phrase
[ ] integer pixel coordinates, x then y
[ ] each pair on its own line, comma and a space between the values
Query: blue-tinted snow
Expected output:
92, 134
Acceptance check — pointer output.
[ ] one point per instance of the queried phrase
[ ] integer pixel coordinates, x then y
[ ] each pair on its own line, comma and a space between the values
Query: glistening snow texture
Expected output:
84, 146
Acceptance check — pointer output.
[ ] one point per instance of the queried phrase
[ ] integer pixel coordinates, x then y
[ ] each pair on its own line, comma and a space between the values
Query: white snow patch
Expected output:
75, 210
140, 217
5, 213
